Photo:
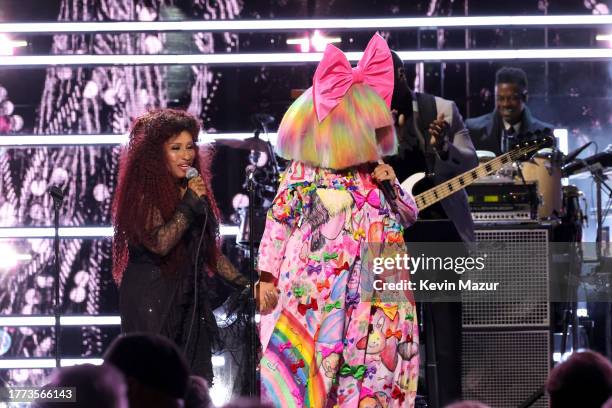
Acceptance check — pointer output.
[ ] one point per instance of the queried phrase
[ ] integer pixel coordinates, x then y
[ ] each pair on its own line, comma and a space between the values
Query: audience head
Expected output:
198, 393
583, 380
95, 386
155, 370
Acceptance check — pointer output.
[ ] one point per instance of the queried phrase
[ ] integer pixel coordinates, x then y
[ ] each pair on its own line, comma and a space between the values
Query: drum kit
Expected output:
261, 181
546, 171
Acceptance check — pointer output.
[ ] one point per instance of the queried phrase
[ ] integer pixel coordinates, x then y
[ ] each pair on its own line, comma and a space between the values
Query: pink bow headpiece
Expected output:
334, 75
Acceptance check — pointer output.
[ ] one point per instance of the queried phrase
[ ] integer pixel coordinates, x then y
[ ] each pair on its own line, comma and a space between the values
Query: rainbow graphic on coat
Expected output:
288, 367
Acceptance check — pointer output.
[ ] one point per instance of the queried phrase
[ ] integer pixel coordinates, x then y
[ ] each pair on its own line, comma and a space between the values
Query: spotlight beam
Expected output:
49, 321
311, 24
290, 58
105, 140
37, 363
81, 232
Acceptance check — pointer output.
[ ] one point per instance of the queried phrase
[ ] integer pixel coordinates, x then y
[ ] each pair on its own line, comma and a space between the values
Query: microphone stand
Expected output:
600, 184
253, 338
58, 196
252, 328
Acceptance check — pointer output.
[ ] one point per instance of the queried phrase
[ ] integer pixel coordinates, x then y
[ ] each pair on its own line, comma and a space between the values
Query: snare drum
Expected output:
545, 170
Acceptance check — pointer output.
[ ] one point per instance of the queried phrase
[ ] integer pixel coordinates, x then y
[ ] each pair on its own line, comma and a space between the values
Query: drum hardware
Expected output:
259, 174
262, 175
544, 168
573, 155
603, 159
251, 143
573, 217
259, 223
595, 164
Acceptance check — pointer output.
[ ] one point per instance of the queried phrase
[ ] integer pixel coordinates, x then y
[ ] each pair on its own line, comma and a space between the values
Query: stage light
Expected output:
67, 362
310, 57
304, 43
90, 320
27, 363
206, 137
26, 321
80, 232
219, 393
14, 363
97, 139
7, 46
240, 201
310, 24
604, 37
9, 258
218, 361
76, 320
319, 41
62, 140
316, 42
5, 341
229, 230
562, 140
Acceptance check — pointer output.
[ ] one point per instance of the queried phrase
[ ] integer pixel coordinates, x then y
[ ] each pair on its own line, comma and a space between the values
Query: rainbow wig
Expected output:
358, 130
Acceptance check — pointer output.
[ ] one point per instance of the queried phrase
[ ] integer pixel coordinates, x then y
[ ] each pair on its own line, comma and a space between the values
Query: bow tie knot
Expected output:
357, 75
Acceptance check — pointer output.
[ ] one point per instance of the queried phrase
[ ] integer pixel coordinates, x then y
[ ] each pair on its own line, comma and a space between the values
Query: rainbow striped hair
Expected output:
358, 130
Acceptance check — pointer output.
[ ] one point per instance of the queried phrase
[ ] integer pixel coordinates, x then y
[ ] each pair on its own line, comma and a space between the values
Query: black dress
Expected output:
176, 304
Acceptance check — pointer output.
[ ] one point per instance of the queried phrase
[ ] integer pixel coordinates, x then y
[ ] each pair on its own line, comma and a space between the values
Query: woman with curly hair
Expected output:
165, 242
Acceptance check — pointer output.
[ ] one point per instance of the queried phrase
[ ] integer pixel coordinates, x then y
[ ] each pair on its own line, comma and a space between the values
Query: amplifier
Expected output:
507, 339
503, 202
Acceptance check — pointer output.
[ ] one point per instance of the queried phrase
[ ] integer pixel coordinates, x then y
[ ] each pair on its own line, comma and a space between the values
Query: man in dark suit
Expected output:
511, 116
433, 139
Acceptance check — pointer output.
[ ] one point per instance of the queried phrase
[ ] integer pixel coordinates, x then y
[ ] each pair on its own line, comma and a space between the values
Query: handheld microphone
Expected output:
192, 172
387, 188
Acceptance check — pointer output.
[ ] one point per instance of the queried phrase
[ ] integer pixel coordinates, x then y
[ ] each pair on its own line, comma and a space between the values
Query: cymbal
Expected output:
251, 143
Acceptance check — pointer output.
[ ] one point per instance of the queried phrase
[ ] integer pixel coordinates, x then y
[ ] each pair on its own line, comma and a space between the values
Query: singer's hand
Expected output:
383, 172
438, 132
197, 185
266, 296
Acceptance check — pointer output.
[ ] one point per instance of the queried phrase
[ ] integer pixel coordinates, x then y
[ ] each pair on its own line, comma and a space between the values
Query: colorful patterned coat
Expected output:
328, 343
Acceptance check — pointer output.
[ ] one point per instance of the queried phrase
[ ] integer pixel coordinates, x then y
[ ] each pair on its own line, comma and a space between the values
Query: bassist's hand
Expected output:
438, 133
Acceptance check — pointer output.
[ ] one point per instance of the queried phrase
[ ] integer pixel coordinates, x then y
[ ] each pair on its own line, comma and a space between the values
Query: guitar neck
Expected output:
441, 191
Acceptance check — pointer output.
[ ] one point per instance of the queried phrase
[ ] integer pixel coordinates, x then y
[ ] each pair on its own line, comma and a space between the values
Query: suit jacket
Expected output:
461, 158
486, 130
